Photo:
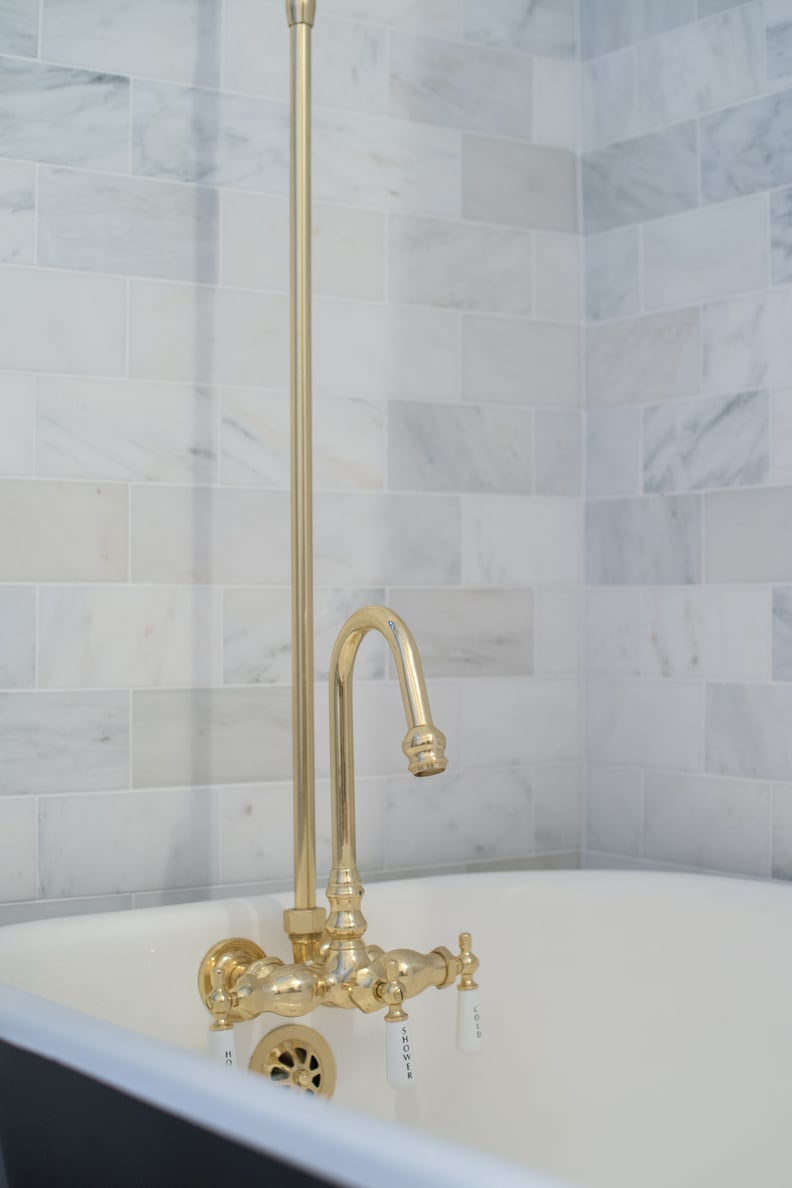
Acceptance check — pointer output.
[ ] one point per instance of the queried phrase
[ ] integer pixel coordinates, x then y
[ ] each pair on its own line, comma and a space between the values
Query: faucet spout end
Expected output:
424, 747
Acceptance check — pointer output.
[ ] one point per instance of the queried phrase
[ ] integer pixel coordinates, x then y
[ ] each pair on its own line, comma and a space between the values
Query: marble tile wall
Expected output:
144, 564
686, 174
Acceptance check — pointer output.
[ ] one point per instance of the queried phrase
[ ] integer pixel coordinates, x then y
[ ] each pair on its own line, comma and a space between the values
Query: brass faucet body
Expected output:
340, 969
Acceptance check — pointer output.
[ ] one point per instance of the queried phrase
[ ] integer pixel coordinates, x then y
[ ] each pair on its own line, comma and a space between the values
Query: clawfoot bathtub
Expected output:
637, 1032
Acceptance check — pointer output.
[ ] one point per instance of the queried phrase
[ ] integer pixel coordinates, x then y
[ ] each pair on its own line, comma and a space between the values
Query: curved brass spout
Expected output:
424, 746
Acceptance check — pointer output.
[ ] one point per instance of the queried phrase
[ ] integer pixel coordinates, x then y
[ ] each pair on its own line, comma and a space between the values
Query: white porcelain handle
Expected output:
222, 1046
398, 1055
469, 1037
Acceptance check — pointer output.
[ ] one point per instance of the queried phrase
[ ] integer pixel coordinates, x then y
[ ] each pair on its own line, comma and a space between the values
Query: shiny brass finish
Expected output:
305, 921
219, 971
300, 12
392, 994
469, 963
298, 1058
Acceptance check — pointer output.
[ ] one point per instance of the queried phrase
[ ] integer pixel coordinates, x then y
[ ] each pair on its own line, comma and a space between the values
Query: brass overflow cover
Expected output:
298, 1058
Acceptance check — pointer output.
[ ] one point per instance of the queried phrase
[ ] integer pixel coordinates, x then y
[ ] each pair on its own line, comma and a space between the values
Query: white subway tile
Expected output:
642, 359
52, 532
211, 736
558, 277
205, 535
520, 720
167, 839
257, 634
17, 637
512, 361
64, 116
459, 266
707, 253
120, 429
398, 540
461, 86
446, 447
63, 742
61, 321
17, 213
520, 185
348, 249
720, 634
130, 225
18, 849
169, 39
205, 335
519, 541
125, 636
708, 823
16, 425
348, 441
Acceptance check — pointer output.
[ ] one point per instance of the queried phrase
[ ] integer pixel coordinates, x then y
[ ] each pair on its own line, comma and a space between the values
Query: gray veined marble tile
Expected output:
534, 26
349, 59
80, 838
781, 438
511, 540
644, 178
639, 360
607, 25
520, 185
747, 536
348, 441
702, 66
709, 7
779, 39
708, 823
706, 253
613, 281
615, 810
257, 634
445, 447
123, 636
513, 361
746, 342
371, 161
441, 19
654, 724
644, 542
206, 535
613, 630
190, 134
748, 731
556, 102
521, 719
178, 40
613, 452
17, 637
395, 540
782, 633
17, 430
123, 430
713, 632
211, 736
67, 532
471, 632
127, 225
558, 284
782, 831
694, 444
17, 213
781, 235
459, 266
747, 148
63, 742
610, 98
64, 116
18, 848
19, 27
462, 86
62, 322
558, 449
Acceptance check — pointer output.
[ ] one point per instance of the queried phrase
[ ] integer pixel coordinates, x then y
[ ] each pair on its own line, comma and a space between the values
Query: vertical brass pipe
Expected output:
304, 922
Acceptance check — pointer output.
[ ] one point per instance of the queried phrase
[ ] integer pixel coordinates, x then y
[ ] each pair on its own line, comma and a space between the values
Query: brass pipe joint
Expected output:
300, 12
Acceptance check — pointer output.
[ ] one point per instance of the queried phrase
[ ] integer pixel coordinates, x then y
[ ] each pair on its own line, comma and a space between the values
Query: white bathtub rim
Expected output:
334, 1143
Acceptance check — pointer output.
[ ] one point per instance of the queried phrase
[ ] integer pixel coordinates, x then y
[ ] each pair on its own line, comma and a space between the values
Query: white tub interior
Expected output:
637, 1025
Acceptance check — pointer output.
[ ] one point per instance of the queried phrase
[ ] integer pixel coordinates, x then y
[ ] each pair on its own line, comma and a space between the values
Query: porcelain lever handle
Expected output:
469, 1035
399, 1066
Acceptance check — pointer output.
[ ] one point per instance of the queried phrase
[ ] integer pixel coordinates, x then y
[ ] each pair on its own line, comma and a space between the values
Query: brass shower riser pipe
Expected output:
305, 921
